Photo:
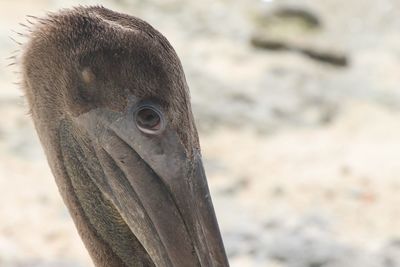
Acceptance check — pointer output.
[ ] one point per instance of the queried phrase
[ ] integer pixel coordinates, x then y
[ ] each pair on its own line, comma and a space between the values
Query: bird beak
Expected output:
160, 191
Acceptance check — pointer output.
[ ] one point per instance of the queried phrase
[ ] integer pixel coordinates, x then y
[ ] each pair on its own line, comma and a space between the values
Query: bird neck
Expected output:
104, 232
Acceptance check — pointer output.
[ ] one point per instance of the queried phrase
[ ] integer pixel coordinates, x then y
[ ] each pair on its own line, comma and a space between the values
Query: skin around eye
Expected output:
149, 119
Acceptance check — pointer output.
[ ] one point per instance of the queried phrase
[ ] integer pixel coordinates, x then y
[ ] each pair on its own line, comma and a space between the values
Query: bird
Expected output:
111, 107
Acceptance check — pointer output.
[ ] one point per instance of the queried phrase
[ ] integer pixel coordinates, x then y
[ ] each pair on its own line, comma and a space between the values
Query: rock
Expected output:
300, 13
334, 58
295, 29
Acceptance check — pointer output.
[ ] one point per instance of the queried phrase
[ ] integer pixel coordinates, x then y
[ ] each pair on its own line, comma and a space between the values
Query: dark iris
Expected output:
148, 119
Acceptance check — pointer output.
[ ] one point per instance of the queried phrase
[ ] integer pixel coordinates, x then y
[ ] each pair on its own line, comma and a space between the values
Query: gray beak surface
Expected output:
160, 192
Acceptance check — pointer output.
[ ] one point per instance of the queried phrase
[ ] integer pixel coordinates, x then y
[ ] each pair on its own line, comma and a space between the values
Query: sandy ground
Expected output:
302, 157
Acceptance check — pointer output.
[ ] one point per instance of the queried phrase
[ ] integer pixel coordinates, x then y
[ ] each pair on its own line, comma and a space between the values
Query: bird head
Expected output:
111, 107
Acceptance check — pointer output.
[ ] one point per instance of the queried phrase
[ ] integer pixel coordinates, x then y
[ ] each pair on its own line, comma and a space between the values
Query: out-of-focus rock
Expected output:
334, 58
287, 20
294, 29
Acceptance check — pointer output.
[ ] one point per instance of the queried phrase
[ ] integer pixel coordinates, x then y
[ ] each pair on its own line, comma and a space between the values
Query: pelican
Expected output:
111, 107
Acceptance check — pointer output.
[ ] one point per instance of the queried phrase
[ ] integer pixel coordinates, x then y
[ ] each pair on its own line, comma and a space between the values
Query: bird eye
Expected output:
149, 119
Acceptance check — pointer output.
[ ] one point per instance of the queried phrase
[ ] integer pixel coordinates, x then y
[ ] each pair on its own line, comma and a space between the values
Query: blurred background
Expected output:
298, 108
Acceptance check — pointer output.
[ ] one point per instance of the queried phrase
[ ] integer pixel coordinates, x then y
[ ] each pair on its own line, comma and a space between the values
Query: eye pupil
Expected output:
148, 119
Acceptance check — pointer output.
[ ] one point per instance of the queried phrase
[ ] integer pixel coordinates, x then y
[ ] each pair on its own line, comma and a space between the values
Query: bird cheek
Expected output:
80, 98
78, 104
